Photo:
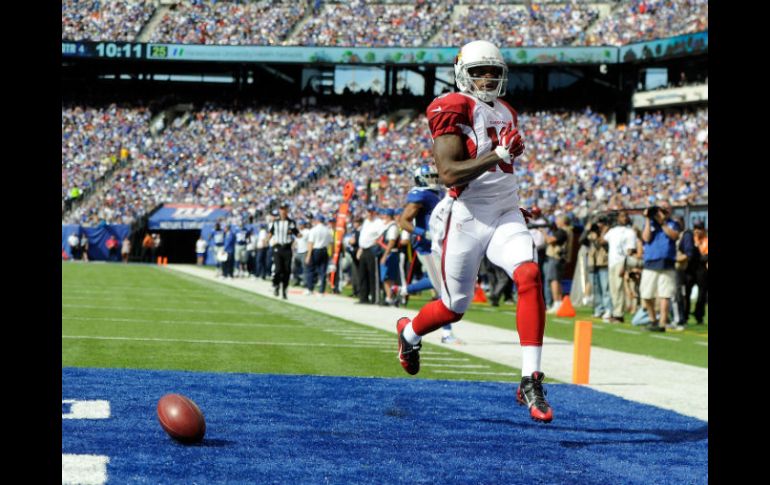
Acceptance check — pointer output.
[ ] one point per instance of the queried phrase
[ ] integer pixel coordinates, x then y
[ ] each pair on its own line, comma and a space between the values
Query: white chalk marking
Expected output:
84, 469
94, 409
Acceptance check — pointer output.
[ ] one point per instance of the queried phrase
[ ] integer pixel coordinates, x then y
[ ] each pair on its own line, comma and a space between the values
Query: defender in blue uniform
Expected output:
420, 202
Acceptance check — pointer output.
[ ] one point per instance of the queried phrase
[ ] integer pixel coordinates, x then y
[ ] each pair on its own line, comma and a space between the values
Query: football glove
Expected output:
511, 145
527, 214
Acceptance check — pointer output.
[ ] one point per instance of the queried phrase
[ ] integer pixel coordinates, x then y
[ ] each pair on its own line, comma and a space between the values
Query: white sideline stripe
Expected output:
166, 309
182, 322
219, 342
702, 343
84, 469
475, 373
663, 337
457, 366
629, 332
95, 409
560, 320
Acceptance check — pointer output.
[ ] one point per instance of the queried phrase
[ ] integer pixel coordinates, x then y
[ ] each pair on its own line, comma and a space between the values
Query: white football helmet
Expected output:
475, 54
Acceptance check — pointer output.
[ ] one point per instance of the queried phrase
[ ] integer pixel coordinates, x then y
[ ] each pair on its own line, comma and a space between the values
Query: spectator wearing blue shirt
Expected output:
660, 234
229, 265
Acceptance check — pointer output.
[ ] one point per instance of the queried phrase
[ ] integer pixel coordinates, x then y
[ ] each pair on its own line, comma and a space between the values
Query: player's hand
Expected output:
527, 214
511, 144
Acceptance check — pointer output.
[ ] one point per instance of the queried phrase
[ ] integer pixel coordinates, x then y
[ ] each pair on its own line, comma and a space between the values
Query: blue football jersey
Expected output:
428, 199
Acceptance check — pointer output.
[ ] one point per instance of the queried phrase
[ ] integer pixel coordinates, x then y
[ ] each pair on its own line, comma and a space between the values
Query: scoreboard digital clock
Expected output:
105, 50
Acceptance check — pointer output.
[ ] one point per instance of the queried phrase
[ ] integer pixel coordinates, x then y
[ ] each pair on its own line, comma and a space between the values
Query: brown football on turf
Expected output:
181, 418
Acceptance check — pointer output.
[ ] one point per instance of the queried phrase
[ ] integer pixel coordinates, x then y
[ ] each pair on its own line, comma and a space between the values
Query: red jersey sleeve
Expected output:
445, 113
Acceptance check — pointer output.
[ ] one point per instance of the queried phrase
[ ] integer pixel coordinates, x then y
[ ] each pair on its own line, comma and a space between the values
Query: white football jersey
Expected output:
478, 125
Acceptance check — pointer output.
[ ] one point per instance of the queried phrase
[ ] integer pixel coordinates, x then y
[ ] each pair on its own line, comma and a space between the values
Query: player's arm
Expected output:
453, 168
647, 231
391, 244
405, 219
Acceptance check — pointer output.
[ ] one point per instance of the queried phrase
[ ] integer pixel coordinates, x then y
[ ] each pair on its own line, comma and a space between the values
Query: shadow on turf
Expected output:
664, 435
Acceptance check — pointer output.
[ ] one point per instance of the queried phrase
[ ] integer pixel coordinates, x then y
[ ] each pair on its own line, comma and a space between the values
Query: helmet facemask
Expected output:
467, 83
426, 176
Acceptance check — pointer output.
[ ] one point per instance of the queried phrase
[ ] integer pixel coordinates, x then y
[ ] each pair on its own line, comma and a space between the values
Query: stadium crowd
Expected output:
228, 23
516, 26
97, 20
95, 139
641, 20
367, 24
385, 24
576, 162
244, 159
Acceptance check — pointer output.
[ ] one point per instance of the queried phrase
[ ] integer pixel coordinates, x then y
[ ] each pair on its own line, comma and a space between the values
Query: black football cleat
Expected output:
408, 354
532, 394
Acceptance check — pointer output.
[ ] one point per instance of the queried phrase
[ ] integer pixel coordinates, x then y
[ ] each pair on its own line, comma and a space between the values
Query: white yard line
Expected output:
706, 344
663, 337
351, 330
181, 322
629, 332
456, 366
216, 342
670, 385
458, 359
509, 374
165, 309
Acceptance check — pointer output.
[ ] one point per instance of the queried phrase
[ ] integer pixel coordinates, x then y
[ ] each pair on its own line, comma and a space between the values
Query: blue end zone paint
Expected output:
304, 429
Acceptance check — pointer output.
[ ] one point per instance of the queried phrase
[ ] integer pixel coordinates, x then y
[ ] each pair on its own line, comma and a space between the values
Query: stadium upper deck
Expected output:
381, 24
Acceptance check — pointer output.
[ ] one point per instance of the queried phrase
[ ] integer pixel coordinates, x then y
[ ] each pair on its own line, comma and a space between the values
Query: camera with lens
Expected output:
651, 212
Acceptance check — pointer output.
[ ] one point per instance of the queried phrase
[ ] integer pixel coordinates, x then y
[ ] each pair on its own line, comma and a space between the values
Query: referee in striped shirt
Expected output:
283, 231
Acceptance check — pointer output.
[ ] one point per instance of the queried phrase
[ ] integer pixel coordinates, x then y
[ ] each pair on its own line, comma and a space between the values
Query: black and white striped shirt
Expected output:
283, 231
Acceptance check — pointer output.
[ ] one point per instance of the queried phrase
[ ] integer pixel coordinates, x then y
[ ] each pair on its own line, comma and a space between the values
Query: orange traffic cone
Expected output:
160, 260
479, 296
566, 309
165, 260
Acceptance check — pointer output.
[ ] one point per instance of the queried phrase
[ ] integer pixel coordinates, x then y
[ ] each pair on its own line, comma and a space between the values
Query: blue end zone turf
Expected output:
341, 430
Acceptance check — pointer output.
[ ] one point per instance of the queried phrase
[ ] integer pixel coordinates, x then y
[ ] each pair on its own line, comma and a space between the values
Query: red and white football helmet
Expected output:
475, 54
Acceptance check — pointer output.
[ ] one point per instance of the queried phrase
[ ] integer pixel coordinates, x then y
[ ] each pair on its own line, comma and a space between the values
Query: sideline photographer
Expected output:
598, 263
660, 234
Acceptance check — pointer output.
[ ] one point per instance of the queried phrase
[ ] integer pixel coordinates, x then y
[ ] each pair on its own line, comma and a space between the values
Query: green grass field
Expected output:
687, 347
136, 316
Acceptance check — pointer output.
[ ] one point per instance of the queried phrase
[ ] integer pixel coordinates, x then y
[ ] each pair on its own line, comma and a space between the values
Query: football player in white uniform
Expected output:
476, 140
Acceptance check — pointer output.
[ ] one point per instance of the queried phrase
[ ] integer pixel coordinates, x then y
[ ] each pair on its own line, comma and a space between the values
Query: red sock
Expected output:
530, 312
433, 316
